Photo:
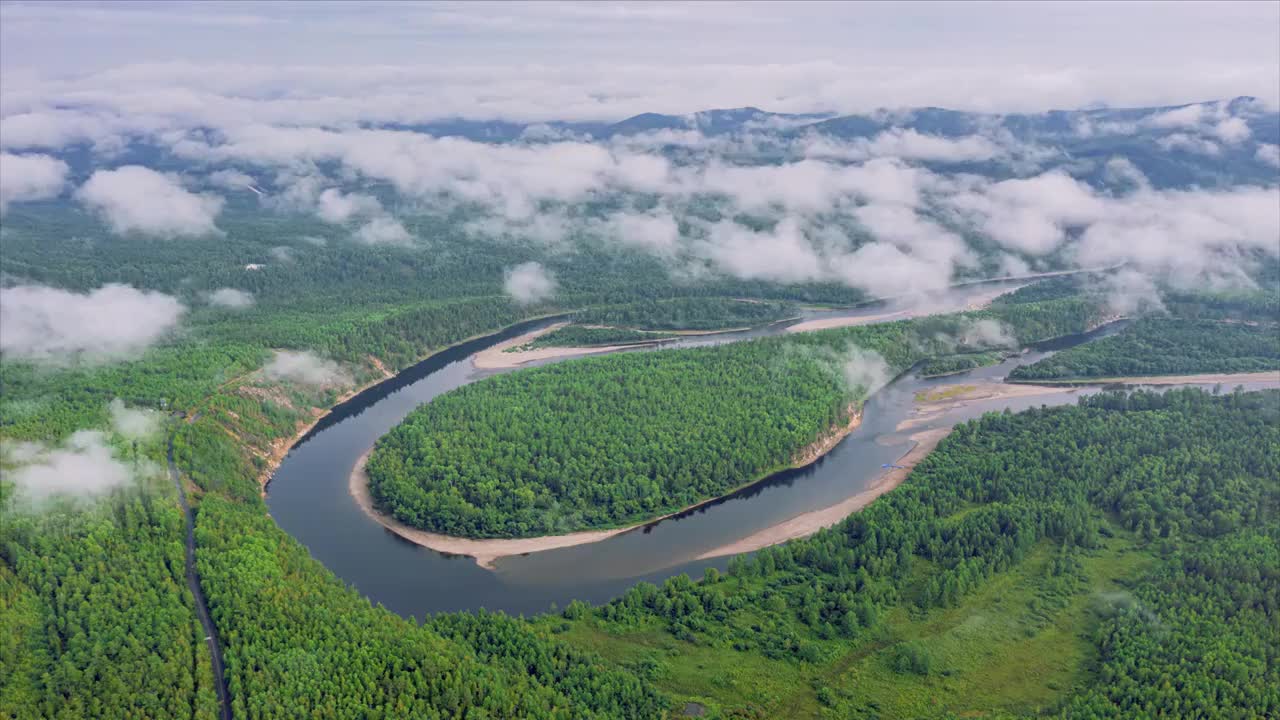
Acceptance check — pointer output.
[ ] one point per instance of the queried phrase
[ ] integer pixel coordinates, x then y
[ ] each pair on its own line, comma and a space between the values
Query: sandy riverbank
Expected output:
977, 301
497, 357
488, 551
485, 552
943, 398
836, 322
280, 446
806, 524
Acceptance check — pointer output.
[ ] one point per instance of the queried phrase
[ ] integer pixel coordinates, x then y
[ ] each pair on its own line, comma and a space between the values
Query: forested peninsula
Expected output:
1165, 346
616, 440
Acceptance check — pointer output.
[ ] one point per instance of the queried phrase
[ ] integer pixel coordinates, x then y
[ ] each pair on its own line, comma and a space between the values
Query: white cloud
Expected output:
305, 368
30, 177
656, 231
1269, 154
335, 206
529, 283
229, 179
1232, 131
1189, 143
230, 298
383, 230
84, 465
134, 198
908, 144
51, 325
134, 423
783, 254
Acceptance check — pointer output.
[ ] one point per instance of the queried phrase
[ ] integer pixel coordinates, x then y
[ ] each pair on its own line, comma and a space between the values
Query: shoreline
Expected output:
496, 357
978, 302
806, 524
1193, 379
487, 551
281, 446
939, 401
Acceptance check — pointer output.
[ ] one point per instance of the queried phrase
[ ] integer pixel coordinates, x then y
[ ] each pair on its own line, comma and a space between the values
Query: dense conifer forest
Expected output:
1113, 559
1165, 346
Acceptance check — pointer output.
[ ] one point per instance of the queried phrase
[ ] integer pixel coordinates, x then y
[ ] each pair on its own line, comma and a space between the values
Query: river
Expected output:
308, 495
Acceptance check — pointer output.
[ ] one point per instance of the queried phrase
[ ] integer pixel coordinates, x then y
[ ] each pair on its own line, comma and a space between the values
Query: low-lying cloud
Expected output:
230, 298
47, 324
24, 178
137, 199
305, 368
85, 464
529, 283
134, 423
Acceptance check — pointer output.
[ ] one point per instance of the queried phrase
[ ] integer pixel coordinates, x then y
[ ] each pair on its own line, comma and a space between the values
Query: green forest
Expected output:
615, 440
1115, 559
1164, 346
1004, 584
950, 364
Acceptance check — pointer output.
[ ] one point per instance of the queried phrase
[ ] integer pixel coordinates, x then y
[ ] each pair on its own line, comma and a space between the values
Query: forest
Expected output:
1164, 346
609, 441
949, 364
99, 621
1112, 559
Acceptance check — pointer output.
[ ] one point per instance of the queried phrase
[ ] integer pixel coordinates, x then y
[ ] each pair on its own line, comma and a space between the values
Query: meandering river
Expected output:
308, 495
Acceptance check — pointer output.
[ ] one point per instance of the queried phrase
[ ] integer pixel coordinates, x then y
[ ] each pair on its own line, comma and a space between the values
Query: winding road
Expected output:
202, 606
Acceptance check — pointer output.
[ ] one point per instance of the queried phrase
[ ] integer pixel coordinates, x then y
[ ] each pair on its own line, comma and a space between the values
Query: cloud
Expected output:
986, 333
135, 198
383, 230
305, 368
24, 178
782, 254
230, 298
1129, 292
1232, 131
529, 283
134, 423
1189, 143
908, 144
115, 321
656, 231
334, 206
229, 179
1269, 154
83, 465
865, 369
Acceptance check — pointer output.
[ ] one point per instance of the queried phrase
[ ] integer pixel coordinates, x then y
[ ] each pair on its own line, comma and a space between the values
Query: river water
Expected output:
308, 495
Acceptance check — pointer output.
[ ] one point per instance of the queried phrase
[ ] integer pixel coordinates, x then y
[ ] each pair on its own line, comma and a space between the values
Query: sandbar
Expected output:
497, 358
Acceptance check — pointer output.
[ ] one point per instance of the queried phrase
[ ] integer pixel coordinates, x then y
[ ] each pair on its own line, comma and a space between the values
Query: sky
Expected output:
605, 61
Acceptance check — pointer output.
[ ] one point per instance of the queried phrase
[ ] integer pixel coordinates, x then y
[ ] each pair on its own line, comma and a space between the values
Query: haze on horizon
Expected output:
606, 61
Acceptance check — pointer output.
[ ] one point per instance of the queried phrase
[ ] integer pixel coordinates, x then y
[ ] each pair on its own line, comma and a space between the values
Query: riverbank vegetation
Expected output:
615, 440
1164, 346
951, 364
1106, 560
